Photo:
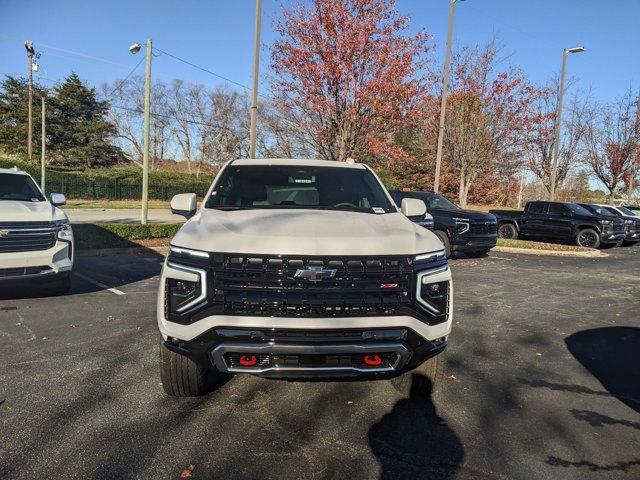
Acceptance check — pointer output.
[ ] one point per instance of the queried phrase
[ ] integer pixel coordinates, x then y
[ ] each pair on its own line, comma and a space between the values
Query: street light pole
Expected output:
42, 150
558, 121
256, 68
30, 51
145, 148
445, 91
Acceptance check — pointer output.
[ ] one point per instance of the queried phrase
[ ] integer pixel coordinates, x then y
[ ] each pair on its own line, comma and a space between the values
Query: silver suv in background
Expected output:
36, 241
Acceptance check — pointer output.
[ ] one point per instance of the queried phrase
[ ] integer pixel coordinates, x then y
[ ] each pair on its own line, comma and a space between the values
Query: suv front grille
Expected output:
26, 236
484, 228
311, 287
272, 286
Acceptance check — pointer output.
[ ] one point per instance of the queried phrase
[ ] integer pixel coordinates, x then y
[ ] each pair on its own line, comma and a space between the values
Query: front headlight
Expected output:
64, 231
185, 287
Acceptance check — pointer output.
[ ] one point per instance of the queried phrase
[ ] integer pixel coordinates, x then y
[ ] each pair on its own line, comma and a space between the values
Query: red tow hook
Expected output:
372, 360
248, 360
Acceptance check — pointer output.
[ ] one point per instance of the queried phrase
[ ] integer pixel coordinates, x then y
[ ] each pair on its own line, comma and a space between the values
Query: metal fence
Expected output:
118, 189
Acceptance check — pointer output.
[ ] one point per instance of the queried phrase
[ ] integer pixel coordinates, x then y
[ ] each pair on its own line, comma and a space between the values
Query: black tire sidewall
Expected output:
442, 236
590, 230
511, 227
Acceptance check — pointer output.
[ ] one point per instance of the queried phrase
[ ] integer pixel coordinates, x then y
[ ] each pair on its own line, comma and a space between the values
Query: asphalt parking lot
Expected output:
543, 383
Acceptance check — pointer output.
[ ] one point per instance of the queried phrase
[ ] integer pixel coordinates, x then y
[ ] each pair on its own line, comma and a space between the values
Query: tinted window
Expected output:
626, 211
19, 187
557, 209
536, 207
598, 210
291, 186
577, 209
436, 201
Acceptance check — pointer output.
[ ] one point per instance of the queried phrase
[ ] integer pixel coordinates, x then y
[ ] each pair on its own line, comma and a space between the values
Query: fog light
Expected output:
372, 360
248, 360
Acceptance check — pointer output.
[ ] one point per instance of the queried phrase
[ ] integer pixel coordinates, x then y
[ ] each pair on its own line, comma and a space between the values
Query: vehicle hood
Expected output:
14, 211
304, 232
471, 215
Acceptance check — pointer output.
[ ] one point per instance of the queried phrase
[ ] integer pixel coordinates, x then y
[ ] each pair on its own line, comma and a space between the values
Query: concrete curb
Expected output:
552, 253
104, 252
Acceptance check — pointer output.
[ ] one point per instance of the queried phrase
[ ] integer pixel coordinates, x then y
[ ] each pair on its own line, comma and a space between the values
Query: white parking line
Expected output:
99, 284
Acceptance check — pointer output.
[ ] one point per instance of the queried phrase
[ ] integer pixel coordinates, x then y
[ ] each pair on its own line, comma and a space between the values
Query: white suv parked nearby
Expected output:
298, 268
36, 241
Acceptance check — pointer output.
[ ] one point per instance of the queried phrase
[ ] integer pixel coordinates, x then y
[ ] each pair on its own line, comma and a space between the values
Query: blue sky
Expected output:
217, 34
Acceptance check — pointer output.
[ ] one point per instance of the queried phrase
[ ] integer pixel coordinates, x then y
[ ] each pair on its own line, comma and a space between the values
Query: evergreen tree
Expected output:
13, 116
79, 132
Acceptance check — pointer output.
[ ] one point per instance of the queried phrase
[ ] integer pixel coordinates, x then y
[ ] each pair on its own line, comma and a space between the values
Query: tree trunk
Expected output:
461, 188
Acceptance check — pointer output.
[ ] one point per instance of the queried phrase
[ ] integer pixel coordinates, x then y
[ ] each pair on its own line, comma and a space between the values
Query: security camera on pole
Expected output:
30, 53
135, 48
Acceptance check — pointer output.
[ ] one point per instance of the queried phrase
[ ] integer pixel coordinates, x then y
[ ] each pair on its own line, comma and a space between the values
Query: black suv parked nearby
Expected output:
631, 222
560, 221
474, 233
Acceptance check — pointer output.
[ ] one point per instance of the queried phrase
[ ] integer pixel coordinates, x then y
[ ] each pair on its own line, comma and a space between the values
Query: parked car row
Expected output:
586, 225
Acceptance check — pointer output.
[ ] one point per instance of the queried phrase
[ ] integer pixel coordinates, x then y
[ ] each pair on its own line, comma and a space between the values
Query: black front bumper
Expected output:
309, 353
474, 243
612, 237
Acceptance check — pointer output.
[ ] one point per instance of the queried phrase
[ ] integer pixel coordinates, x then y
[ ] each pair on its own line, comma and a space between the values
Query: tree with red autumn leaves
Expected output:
351, 76
612, 142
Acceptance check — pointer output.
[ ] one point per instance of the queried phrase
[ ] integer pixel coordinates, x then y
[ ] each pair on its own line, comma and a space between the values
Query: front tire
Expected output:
423, 381
508, 231
182, 377
588, 238
442, 236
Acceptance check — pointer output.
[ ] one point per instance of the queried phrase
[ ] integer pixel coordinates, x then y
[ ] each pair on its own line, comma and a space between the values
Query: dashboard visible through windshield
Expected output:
291, 186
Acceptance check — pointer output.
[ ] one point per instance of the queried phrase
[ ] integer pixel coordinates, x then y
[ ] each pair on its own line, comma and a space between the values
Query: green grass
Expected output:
504, 242
89, 236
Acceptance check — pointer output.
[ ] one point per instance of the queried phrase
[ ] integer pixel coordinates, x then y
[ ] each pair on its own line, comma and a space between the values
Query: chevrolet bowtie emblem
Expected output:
315, 274
4, 233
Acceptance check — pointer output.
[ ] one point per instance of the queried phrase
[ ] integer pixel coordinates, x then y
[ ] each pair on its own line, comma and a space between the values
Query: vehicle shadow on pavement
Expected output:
92, 274
412, 441
611, 354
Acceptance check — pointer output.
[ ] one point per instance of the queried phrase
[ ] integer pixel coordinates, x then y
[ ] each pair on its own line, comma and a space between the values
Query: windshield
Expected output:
597, 209
577, 209
19, 187
291, 186
626, 211
436, 201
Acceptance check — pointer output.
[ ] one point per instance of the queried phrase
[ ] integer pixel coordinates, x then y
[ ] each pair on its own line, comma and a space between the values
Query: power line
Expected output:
204, 69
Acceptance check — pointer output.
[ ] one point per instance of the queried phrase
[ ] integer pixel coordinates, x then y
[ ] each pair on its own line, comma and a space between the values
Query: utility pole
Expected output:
256, 68
30, 52
521, 188
445, 91
42, 150
558, 122
145, 150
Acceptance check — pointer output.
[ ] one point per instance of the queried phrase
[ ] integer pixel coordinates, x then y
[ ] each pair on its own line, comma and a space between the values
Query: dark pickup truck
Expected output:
560, 221
468, 231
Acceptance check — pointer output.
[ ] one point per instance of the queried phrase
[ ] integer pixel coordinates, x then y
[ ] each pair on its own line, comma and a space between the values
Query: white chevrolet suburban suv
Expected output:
36, 241
298, 268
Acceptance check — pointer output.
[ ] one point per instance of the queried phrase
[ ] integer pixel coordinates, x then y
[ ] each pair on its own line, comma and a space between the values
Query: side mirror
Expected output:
58, 199
184, 204
412, 207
